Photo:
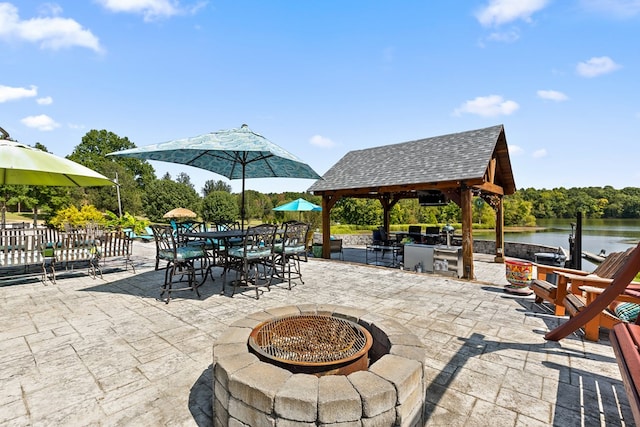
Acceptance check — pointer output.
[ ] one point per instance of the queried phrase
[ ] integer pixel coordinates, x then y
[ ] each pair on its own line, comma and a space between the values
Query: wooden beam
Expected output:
373, 192
491, 171
490, 188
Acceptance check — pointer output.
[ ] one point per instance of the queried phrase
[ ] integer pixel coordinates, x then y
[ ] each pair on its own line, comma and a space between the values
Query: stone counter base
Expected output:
247, 391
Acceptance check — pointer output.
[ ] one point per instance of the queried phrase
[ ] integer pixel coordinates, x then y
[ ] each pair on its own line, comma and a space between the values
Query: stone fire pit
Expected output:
390, 391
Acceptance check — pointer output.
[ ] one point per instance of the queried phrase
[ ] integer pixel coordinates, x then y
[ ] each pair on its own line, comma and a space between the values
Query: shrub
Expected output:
77, 218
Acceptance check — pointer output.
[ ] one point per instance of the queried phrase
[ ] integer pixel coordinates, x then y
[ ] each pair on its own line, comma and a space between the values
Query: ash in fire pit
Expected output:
312, 344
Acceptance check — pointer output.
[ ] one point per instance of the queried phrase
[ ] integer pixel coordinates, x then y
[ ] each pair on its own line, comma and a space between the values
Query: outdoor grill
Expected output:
312, 344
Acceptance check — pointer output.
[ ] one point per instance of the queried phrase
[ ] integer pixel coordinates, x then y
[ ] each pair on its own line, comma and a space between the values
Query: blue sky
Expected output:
321, 78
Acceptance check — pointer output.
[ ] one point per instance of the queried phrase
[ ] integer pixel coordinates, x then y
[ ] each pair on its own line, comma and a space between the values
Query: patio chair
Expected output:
335, 247
432, 235
415, 233
180, 259
624, 308
552, 283
221, 245
182, 230
256, 253
590, 310
289, 251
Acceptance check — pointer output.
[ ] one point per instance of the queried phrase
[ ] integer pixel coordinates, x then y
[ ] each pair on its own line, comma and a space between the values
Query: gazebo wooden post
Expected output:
467, 234
328, 200
386, 213
326, 226
499, 231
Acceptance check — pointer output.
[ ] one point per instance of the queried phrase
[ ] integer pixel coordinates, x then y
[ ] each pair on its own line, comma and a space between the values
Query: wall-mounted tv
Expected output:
431, 198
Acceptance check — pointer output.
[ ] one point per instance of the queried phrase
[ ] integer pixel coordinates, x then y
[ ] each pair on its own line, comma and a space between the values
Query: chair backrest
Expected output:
164, 238
295, 235
432, 230
260, 237
611, 264
226, 225
383, 234
335, 245
415, 229
189, 227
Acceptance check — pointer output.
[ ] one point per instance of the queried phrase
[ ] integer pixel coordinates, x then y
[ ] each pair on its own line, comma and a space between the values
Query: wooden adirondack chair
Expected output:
553, 283
590, 311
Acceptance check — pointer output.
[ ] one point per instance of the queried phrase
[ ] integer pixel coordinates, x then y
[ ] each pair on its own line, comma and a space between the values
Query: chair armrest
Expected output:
546, 269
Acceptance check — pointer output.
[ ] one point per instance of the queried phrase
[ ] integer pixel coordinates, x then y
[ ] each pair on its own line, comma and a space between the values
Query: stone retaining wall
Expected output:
519, 250
247, 391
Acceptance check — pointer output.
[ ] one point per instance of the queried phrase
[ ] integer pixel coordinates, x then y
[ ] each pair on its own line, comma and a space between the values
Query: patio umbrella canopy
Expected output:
24, 165
21, 164
298, 205
180, 213
234, 154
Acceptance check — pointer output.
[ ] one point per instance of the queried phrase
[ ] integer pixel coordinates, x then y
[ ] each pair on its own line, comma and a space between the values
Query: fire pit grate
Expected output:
310, 340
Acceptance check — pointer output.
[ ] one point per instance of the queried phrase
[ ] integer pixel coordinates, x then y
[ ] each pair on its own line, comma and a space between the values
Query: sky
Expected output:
322, 78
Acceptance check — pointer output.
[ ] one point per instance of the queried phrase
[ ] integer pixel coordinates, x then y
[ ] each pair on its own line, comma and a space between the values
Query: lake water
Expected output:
612, 235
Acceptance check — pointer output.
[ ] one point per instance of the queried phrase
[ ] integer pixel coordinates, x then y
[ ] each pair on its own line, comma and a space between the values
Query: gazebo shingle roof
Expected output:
454, 157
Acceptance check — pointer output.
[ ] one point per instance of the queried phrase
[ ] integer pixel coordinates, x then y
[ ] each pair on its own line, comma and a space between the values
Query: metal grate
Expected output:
310, 339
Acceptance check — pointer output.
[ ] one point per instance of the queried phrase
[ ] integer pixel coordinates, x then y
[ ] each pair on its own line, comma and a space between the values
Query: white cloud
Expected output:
488, 106
515, 150
597, 66
539, 153
505, 36
499, 12
41, 122
149, 9
552, 95
50, 32
47, 100
321, 141
618, 8
8, 93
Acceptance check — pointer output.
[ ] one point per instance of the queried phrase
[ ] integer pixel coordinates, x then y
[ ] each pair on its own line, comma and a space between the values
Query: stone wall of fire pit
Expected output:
391, 392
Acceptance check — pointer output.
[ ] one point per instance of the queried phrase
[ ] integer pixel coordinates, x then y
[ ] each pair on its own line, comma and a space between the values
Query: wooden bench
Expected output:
24, 254
47, 252
625, 340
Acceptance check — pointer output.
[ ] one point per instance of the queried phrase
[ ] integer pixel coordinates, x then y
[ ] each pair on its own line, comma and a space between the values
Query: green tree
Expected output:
211, 186
349, 210
518, 211
162, 195
220, 206
257, 205
133, 174
184, 178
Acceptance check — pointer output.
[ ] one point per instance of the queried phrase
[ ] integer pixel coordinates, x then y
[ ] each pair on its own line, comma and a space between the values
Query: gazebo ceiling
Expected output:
478, 159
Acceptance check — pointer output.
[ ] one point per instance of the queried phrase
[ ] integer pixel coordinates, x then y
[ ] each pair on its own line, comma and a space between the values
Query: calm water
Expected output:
612, 235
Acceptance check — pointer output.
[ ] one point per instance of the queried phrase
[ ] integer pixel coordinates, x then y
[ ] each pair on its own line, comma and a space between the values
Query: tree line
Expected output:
143, 194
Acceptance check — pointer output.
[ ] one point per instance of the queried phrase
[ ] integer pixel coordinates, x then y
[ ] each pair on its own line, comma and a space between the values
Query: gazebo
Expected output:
457, 167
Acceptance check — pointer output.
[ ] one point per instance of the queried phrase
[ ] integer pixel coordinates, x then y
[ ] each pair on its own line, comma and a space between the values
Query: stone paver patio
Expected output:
107, 352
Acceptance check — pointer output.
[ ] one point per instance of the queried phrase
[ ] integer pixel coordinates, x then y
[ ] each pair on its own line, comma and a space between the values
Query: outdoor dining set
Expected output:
259, 255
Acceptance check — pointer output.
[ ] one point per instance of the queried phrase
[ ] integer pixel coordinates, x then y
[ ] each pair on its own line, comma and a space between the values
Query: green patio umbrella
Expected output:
234, 154
299, 205
24, 165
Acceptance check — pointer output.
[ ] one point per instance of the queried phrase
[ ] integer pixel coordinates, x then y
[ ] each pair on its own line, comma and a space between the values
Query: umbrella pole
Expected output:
242, 204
